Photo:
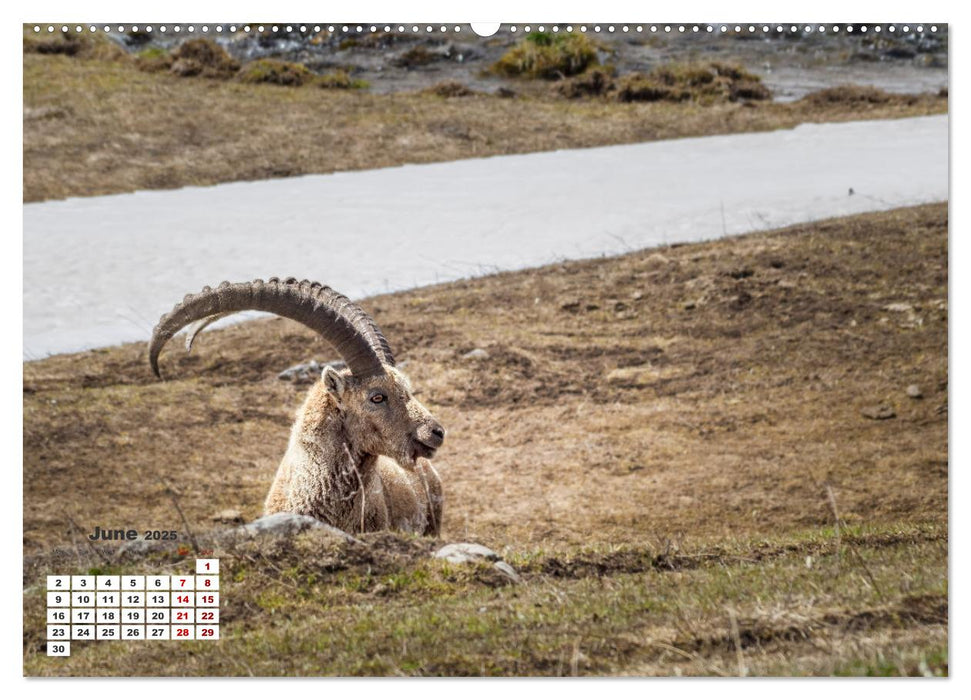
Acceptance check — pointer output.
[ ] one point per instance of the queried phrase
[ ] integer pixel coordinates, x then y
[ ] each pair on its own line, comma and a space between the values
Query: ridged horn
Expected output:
339, 321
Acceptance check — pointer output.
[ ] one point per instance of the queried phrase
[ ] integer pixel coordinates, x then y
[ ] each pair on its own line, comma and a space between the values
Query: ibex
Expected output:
359, 450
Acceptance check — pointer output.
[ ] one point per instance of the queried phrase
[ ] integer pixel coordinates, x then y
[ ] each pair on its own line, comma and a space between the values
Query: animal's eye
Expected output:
379, 398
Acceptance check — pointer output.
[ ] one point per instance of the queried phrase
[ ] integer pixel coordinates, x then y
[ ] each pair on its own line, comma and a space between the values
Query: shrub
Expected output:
548, 56
268, 70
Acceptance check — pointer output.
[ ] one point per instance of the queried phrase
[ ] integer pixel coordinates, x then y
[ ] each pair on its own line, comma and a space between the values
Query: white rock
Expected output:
289, 524
469, 552
461, 552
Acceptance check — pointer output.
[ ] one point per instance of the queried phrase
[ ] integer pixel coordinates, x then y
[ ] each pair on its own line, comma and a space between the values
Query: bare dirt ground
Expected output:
704, 459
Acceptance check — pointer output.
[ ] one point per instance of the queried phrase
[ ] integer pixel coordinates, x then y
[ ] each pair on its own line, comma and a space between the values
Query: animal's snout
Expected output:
432, 434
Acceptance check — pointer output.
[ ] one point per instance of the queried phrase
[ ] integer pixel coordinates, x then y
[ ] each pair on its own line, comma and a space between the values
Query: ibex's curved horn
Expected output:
340, 322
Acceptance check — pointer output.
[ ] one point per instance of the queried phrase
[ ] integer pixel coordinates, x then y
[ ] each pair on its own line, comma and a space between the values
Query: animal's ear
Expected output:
333, 382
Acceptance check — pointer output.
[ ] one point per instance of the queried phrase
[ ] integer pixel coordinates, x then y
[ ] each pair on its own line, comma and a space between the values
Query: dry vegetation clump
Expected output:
340, 80
268, 70
706, 83
95, 47
858, 95
154, 60
205, 58
594, 82
548, 56
417, 56
377, 40
449, 88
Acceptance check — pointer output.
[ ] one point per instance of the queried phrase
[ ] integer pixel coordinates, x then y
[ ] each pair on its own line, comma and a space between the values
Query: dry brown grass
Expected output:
652, 442
707, 389
100, 127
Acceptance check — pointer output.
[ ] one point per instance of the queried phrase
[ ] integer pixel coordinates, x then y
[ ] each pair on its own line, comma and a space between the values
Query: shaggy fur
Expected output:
358, 464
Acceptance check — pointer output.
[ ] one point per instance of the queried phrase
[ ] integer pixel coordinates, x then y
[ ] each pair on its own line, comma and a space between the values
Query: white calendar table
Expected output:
133, 608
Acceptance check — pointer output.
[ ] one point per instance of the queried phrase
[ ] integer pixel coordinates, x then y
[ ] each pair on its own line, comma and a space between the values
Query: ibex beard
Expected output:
359, 451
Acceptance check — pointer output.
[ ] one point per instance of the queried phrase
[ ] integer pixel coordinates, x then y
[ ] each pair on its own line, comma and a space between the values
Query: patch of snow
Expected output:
100, 270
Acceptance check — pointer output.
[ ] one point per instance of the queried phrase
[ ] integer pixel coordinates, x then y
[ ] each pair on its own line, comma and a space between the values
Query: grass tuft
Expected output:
268, 70
548, 56
341, 80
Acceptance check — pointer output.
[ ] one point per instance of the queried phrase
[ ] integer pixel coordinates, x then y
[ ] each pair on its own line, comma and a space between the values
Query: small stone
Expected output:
476, 354
230, 515
914, 392
881, 412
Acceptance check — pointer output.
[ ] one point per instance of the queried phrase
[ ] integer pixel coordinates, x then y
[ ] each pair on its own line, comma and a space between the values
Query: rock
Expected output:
881, 412
230, 515
914, 392
463, 552
469, 553
477, 354
282, 524
309, 372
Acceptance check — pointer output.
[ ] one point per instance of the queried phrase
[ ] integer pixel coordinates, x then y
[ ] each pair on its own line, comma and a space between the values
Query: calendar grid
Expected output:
167, 607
